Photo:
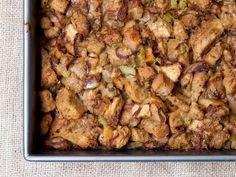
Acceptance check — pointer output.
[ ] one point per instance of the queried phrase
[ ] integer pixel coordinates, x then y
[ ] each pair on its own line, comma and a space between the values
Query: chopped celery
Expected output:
66, 73
99, 69
159, 60
167, 17
106, 79
113, 46
187, 120
106, 76
147, 100
233, 137
182, 4
210, 73
140, 56
127, 70
102, 120
134, 145
174, 4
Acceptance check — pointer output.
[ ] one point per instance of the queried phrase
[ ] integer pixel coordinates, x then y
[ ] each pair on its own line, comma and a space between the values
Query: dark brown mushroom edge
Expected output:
138, 74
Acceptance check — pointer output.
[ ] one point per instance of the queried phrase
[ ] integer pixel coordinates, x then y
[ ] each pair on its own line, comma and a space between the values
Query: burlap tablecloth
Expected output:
12, 163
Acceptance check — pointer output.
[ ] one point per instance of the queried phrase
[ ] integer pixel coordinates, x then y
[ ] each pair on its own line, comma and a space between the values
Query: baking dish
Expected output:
32, 150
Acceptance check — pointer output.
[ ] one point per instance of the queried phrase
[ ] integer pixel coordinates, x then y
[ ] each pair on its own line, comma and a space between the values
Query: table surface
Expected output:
12, 162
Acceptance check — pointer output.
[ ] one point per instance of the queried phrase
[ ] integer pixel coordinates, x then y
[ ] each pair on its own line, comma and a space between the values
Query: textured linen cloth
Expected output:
12, 163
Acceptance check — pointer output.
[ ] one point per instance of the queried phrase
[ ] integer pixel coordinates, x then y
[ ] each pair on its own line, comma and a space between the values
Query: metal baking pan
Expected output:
32, 150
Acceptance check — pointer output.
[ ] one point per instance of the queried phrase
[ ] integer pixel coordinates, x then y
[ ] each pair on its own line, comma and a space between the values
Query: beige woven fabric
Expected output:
12, 163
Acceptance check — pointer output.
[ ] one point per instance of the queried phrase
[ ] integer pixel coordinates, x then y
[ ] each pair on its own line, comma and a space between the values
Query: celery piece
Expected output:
140, 56
210, 73
167, 17
159, 60
127, 70
182, 4
174, 4
102, 120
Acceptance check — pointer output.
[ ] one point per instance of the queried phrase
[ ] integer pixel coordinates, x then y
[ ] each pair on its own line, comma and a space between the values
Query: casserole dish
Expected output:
32, 150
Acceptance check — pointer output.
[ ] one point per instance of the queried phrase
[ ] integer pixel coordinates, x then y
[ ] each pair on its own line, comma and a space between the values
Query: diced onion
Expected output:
92, 82
134, 145
91, 85
122, 56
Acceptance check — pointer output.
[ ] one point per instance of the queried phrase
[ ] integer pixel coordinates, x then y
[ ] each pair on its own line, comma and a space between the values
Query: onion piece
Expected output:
136, 112
159, 60
91, 82
134, 145
122, 56
162, 115
197, 67
91, 85
123, 12
153, 10
78, 37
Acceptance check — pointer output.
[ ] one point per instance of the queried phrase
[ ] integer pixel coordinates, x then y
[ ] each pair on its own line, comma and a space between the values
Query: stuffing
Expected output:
137, 74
